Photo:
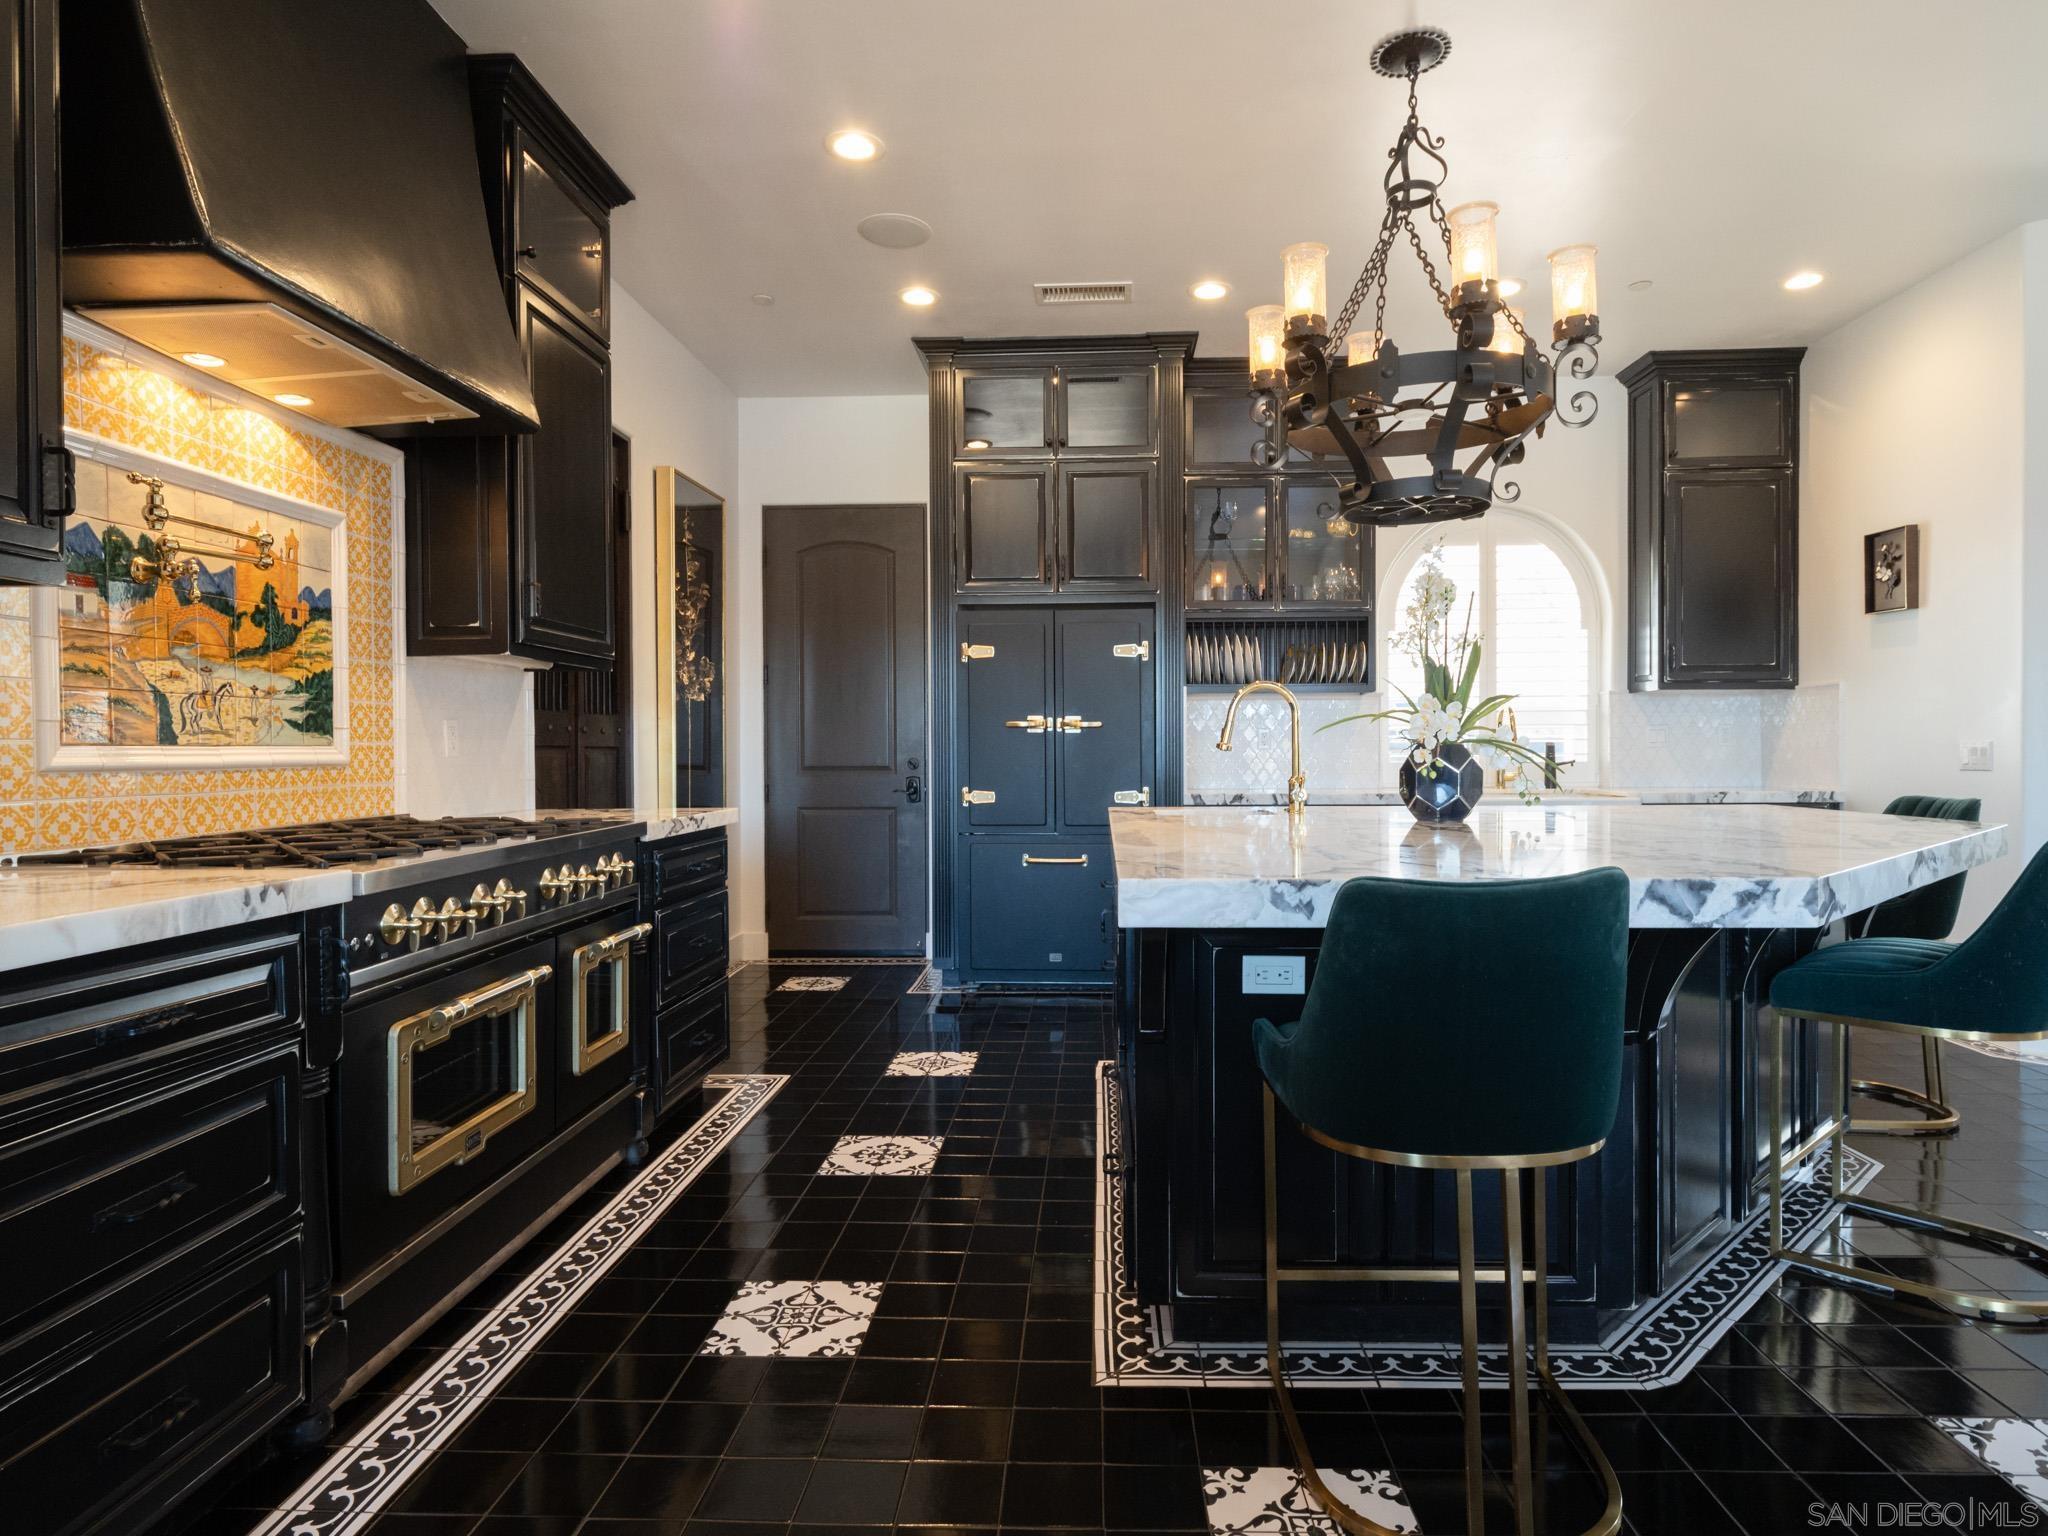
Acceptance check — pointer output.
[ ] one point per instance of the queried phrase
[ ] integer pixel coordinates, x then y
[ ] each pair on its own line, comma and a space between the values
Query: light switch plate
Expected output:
451, 740
1976, 757
1275, 974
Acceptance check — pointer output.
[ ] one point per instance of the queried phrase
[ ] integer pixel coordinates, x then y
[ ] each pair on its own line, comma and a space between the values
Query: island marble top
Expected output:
1690, 866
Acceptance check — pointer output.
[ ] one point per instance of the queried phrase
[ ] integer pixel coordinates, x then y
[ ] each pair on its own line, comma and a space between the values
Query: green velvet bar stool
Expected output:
1927, 913
1460, 1026
1991, 986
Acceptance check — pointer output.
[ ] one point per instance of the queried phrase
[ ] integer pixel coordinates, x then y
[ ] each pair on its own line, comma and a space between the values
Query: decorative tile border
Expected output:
1135, 1346
2016, 1449
344, 1495
1273, 1501
2029, 1053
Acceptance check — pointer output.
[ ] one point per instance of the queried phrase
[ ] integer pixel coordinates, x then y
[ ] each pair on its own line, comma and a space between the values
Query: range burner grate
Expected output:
324, 844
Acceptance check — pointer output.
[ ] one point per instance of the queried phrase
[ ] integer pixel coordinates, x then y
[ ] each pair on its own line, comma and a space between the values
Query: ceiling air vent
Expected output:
1083, 293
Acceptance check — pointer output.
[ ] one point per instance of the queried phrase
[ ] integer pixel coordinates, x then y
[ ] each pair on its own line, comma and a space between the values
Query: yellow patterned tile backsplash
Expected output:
127, 399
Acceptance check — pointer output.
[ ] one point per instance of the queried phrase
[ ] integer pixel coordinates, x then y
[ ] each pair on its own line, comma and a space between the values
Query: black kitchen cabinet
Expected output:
686, 1020
1272, 544
1005, 526
1078, 408
35, 468
1105, 529
1714, 519
1071, 527
1219, 435
511, 540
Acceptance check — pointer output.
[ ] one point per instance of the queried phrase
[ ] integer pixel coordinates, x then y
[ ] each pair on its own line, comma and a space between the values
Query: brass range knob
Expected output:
454, 915
516, 898
484, 901
558, 884
617, 869
394, 927
586, 877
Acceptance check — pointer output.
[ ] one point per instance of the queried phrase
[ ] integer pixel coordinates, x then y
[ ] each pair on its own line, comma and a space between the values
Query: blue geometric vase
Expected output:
1451, 794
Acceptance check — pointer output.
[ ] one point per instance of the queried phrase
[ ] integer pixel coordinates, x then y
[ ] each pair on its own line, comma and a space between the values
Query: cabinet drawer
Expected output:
102, 1196
689, 947
83, 1023
690, 1038
1041, 908
109, 1435
689, 867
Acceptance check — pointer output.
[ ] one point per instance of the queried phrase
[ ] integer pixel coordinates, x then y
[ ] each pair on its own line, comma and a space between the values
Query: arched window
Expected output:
1528, 591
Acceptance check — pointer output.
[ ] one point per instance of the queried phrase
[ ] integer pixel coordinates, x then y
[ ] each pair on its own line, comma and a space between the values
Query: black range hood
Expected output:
296, 182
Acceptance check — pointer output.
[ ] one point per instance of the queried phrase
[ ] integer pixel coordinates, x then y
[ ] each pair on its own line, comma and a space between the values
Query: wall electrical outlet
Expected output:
1270, 974
1976, 757
451, 739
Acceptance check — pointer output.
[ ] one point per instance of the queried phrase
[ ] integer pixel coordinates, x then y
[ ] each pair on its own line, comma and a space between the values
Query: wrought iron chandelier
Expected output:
1355, 394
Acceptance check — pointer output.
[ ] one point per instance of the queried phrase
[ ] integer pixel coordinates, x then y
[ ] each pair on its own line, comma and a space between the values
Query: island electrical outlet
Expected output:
1270, 974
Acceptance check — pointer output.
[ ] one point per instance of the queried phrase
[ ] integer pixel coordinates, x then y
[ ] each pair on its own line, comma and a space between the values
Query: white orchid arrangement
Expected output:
1445, 712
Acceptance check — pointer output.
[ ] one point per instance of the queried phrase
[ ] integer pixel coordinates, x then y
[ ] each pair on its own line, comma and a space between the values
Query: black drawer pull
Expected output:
150, 1425
135, 1025
702, 1037
160, 1196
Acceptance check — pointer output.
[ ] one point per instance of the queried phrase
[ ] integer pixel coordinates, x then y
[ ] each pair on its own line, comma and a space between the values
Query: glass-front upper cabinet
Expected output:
1221, 437
1034, 413
1227, 557
562, 244
1326, 557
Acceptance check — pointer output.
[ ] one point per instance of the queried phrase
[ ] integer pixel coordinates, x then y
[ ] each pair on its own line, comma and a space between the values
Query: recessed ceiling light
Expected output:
1640, 285
918, 297
296, 402
204, 360
1509, 287
1209, 289
854, 144
976, 444
1799, 280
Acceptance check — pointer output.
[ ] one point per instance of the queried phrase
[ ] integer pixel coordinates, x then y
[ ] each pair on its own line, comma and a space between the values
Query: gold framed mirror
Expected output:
690, 643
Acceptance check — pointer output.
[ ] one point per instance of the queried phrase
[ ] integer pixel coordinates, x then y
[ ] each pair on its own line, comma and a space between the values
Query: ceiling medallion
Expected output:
1356, 397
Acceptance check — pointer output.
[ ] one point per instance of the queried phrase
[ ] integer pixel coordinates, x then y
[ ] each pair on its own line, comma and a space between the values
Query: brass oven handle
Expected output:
622, 938
496, 992
1079, 858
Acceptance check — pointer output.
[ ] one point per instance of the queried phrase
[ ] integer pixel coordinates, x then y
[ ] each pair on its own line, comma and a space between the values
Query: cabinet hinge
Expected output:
1133, 650
533, 597
1132, 796
977, 796
60, 480
970, 652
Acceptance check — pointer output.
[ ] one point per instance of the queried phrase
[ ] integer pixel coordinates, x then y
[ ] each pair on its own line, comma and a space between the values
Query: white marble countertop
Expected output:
1727, 866
51, 912
1555, 797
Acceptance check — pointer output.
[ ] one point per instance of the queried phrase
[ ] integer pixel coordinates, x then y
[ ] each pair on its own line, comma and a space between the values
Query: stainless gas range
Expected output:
490, 979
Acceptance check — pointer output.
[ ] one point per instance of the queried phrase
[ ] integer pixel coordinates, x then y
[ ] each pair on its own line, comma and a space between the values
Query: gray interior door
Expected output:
843, 614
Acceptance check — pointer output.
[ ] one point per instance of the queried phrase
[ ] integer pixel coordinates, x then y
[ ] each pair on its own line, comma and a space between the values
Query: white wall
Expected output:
1915, 413
2034, 537
468, 737
825, 451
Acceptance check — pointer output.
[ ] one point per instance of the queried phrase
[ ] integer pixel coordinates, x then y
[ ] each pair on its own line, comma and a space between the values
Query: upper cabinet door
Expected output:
1731, 424
1730, 579
1004, 527
562, 597
562, 243
1327, 559
1225, 540
1107, 527
1220, 435
1003, 413
35, 469
1107, 410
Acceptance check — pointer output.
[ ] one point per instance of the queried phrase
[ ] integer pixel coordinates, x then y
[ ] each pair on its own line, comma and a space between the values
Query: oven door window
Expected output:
603, 1004
460, 1074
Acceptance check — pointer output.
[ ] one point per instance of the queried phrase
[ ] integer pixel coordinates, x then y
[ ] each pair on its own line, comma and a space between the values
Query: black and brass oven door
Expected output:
601, 988
446, 1085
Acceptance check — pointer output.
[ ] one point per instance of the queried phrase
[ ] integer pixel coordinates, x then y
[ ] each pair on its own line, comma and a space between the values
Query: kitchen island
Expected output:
1221, 911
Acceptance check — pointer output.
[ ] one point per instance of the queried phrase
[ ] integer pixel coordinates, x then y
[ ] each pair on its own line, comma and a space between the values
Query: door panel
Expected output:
1044, 907
1003, 413
1106, 523
844, 621
1005, 527
1105, 713
564, 597
1729, 573
1107, 410
1000, 753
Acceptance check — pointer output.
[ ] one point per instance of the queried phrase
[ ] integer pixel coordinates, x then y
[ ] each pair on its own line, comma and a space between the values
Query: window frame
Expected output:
1523, 525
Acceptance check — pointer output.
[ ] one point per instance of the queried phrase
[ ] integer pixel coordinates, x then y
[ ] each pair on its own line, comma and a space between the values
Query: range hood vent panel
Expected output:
313, 160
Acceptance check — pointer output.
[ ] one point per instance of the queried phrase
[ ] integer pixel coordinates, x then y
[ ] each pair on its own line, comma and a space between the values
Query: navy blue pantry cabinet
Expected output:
1056, 727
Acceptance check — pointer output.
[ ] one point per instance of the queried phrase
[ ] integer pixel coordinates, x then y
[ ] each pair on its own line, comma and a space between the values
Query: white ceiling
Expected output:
1712, 148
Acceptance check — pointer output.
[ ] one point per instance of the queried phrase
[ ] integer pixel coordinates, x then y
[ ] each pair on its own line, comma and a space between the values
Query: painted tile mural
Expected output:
234, 654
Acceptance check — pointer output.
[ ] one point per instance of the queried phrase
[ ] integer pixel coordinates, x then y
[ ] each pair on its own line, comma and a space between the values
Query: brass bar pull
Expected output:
1035, 725
496, 992
1079, 858
977, 797
1073, 723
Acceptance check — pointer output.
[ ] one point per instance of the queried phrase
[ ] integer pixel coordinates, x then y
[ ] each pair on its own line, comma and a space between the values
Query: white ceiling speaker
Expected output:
893, 231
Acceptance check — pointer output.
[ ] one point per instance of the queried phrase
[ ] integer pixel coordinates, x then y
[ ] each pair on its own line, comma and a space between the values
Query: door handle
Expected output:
1035, 725
912, 790
1073, 723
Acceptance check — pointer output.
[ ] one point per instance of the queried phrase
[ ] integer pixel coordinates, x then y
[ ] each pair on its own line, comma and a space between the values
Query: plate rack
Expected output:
1310, 654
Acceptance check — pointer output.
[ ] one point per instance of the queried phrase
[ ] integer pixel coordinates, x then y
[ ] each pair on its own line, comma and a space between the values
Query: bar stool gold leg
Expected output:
1468, 1354
1518, 1351
2016, 1244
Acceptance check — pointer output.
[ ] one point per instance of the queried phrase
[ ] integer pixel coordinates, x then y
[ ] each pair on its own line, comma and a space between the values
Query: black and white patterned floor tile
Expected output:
1273, 1501
813, 983
2031, 1053
883, 1155
2016, 1449
348, 1490
795, 1319
1135, 1344
932, 1064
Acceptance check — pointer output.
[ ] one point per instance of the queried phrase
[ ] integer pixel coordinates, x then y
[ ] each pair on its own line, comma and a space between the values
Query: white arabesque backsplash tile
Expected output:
1347, 757
1788, 738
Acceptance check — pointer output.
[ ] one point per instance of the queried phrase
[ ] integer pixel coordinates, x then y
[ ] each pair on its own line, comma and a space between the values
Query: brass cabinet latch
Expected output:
1133, 796
1033, 725
977, 797
1133, 650
1073, 723
976, 652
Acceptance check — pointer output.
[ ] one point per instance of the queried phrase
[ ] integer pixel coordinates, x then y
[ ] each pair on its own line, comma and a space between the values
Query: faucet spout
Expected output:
1297, 783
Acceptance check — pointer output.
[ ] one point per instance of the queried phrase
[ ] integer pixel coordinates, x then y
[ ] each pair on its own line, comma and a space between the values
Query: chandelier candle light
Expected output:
1492, 391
